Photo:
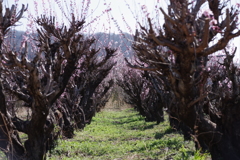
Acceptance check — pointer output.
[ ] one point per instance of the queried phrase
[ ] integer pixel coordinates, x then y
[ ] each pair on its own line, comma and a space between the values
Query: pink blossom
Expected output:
215, 28
213, 25
213, 22
143, 7
208, 13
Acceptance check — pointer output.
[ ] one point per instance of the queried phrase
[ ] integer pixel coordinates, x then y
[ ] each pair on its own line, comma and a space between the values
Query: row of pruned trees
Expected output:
65, 83
139, 92
148, 94
203, 96
63, 86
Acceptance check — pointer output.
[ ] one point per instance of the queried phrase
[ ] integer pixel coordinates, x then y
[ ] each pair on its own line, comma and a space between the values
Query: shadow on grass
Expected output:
167, 144
129, 119
127, 114
142, 127
133, 122
159, 135
133, 125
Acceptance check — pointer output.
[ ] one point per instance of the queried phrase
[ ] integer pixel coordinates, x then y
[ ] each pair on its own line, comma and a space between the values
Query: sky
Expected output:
113, 16
106, 14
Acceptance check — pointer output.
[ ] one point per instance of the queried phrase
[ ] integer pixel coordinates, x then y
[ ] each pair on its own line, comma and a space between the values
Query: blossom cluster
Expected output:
213, 22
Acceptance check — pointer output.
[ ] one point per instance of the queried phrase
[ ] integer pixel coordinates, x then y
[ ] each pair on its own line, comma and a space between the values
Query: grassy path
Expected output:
124, 135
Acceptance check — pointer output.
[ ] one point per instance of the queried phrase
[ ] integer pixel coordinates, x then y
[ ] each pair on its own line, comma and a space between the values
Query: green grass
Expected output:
125, 135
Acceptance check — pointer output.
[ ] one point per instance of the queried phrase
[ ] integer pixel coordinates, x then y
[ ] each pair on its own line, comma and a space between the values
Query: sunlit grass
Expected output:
125, 135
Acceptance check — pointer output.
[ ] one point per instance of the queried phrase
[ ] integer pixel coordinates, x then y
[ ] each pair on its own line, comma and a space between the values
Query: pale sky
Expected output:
130, 10
102, 15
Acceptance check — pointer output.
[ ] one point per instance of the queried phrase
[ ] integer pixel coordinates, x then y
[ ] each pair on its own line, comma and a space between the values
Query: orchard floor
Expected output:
124, 135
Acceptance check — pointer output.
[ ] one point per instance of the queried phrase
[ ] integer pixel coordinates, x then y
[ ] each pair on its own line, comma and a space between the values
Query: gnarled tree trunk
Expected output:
178, 53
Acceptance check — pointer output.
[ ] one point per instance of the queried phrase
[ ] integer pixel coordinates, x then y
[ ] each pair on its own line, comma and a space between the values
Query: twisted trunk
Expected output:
37, 135
219, 136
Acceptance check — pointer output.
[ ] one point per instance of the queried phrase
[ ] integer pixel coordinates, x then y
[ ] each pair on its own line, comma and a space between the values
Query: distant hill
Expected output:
122, 42
118, 41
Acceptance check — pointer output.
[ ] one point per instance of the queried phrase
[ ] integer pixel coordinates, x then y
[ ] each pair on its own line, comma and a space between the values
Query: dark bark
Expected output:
10, 141
39, 83
68, 128
179, 52
141, 94
88, 84
37, 138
